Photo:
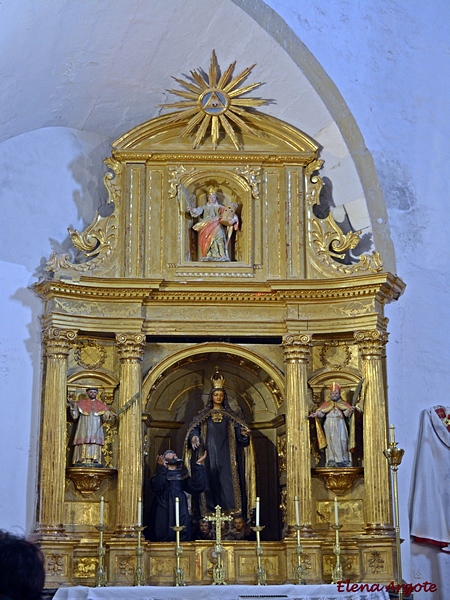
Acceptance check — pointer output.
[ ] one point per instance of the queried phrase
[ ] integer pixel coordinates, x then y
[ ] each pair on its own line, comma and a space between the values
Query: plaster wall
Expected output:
390, 61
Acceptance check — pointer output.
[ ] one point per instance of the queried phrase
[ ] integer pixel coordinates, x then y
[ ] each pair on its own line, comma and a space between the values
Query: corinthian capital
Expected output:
130, 346
57, 342
297, 348
371, 343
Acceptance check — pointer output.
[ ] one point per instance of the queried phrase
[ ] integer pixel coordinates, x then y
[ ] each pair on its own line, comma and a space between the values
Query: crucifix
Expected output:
218, 519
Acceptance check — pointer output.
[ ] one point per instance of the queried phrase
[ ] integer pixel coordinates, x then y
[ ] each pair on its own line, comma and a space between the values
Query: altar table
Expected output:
217, 592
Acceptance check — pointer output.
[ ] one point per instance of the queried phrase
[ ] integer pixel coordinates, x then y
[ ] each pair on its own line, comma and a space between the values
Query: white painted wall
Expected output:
390, 61
48, 181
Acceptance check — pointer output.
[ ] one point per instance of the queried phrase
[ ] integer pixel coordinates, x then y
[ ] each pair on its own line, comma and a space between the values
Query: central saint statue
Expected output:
215, 227
230, 464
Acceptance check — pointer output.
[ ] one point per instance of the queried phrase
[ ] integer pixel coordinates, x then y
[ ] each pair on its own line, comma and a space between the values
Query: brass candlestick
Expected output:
394, 457
139, 573
178, 572
260, 573
337, 574
100, 574
299, 571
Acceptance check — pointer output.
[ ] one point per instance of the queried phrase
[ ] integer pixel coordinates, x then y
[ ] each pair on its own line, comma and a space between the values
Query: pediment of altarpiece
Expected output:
155, 178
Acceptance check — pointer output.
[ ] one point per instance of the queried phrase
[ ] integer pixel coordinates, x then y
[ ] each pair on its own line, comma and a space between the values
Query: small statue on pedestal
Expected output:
333, 435
89, 436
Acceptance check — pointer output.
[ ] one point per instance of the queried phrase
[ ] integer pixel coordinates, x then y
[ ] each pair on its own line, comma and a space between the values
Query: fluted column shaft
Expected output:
376, 468
52, 478
131, 349
297, 350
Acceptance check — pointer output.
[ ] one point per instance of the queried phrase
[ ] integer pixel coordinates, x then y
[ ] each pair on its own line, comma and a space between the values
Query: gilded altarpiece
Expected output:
145, 318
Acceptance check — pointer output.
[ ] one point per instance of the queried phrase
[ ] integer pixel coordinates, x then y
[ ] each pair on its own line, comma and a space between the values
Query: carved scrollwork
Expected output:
253, 178
281, 450
176, 173
329, 244
99, 239
95, 239
275, 391
85, 567
283, 505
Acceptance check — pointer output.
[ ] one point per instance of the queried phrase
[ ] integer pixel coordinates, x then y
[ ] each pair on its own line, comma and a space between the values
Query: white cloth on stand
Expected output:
218, 592
429, 503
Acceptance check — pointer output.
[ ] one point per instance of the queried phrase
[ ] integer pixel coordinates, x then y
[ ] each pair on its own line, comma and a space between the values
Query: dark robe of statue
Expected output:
230, 480
167, 486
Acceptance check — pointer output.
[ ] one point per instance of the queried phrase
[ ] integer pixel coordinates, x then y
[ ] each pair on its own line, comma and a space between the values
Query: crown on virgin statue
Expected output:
217, 381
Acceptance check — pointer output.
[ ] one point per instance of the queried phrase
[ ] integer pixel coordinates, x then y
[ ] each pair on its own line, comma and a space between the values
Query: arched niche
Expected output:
351, 385
230, 189
178, 387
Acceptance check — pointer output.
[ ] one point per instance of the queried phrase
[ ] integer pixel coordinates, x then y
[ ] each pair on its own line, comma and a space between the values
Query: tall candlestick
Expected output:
336, 511
257, 511
139, 519
102, 510
177, 512
392, 434
297, 511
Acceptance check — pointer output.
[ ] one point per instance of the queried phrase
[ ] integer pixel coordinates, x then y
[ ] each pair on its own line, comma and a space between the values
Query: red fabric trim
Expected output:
441, 545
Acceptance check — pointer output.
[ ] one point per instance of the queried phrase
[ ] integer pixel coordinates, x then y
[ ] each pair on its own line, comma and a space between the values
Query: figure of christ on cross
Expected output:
218, 519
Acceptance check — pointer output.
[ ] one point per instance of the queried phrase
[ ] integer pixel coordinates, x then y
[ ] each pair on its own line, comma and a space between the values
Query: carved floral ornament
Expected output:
335, 355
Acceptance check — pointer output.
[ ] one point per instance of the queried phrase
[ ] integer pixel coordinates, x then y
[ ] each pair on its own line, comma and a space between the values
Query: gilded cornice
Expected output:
299, 158
383, 287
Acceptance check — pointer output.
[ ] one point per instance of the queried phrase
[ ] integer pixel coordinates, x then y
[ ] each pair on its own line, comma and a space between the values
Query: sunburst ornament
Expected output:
215, 101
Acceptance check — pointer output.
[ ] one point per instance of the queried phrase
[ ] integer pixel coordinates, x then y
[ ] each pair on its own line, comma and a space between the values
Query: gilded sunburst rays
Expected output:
213, 103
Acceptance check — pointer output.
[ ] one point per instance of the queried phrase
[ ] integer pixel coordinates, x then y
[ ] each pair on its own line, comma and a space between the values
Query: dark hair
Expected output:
22, 572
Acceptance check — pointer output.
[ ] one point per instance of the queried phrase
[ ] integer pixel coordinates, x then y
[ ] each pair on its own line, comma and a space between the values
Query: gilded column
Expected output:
376, 469
52, 478
131, 349
297, 352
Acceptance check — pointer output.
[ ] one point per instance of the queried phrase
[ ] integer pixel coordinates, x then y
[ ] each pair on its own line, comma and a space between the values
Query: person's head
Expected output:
172, 460
92, 392
212, 195
218, 396
335, 391
204, 526
22, 573
239, 523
